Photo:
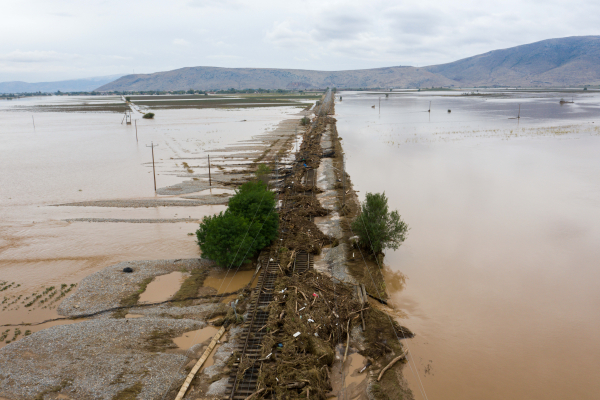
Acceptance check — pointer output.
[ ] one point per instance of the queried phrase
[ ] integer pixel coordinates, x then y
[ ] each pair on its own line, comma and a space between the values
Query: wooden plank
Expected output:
199, 364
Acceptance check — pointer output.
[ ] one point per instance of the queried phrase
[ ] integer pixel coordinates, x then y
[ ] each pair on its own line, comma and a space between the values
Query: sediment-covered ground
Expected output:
130, 353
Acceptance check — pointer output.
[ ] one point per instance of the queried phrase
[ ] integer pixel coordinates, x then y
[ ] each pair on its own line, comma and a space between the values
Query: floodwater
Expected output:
229, 281
499, 275
188, 339
84, 156
346, 380
163, 287
191, 338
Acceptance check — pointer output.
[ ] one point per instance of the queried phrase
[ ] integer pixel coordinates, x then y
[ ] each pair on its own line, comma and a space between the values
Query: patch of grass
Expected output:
189, 287
132, 299
54, 389
129, 393
160, 341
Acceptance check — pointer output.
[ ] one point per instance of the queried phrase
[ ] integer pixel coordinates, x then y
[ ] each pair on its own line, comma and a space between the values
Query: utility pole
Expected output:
152, 145
344, 179
33, 122
209, 178
136, 137
379, 105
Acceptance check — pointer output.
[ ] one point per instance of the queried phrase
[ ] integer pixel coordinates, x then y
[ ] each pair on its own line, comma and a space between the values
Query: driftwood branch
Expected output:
198, 365
347, 340
255, 394
394, 361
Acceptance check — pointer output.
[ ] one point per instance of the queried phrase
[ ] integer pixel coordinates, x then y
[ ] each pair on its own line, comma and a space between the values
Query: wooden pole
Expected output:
199, 364
344, 179
153, 169
347, 340
33, 122
209, 178
136, 137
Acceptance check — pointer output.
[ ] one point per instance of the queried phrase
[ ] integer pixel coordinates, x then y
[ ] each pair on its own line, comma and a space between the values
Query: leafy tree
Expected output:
249, 224
376, 227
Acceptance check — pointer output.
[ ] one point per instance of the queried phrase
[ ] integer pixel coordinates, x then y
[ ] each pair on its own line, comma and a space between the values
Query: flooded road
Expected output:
501, 263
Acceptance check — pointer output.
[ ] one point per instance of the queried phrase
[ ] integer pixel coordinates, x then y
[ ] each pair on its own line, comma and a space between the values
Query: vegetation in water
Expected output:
249, 224
148, 115
378, 228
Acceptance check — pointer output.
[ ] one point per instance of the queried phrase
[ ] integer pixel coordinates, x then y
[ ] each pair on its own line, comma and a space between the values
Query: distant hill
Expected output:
571, 61
206, 78
76, 85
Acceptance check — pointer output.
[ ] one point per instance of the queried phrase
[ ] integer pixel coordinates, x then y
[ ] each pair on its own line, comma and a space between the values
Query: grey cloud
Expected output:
68, 39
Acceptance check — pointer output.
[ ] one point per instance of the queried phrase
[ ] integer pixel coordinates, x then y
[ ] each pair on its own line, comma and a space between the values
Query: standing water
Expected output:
499, 274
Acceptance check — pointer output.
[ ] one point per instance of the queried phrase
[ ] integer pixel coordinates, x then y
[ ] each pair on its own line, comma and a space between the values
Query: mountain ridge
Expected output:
570, 61
71, 85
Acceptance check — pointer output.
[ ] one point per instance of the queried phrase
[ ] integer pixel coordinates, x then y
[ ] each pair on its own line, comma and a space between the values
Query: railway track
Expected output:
242, 385
250, 346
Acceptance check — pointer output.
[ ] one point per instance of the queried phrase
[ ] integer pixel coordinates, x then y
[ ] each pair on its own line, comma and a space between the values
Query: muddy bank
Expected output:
146, 351
106, 288
95, 359
137, 203
134, 221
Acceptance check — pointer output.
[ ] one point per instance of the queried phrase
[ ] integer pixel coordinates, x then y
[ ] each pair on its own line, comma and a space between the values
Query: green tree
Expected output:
376, 227
249, 224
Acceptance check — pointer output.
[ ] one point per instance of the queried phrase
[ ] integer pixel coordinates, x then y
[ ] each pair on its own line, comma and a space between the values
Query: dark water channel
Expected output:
502, 259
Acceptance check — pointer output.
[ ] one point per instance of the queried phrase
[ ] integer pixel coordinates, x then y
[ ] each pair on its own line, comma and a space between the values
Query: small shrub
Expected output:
376, 227
148, 115
305, 121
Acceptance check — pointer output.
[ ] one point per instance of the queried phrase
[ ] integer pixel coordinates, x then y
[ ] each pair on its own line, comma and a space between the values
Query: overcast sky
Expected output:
44, 40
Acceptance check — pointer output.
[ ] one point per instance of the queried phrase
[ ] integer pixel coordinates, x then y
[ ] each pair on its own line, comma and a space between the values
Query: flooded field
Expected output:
499, 275
55, 153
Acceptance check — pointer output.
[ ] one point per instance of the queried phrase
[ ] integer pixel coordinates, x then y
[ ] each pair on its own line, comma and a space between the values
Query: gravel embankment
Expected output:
202, 311
210, 198
134, 221
94, 359
186, 187
105, 289
135, 203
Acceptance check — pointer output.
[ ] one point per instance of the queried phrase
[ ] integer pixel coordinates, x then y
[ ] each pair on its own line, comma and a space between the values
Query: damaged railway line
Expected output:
315, 310
302, 320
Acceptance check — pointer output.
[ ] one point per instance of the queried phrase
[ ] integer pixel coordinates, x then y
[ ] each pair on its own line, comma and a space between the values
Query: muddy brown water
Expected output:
501, 269
188, 339
231, 281
346, 380
162, 287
